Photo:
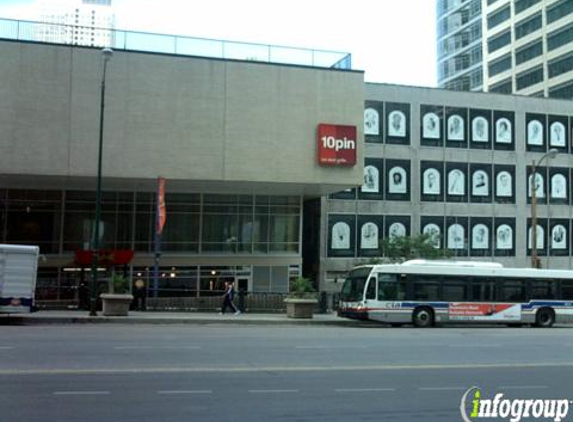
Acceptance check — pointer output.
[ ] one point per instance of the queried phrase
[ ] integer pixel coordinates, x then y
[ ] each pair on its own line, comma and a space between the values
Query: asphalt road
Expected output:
259, 373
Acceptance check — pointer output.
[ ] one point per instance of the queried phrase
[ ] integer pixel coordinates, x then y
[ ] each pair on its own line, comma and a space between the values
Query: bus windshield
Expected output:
353, 288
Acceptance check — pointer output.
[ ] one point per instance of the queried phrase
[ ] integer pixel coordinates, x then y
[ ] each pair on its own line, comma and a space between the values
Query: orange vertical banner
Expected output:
161, 209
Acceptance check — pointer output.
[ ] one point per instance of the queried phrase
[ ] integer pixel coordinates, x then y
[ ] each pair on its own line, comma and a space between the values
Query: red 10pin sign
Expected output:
336, 145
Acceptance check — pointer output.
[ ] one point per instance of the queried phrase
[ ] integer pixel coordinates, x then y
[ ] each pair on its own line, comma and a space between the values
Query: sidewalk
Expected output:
150, 317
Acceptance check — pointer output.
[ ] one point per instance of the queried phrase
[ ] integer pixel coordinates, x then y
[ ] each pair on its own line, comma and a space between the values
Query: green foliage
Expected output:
120, 284
400, 249
302, 288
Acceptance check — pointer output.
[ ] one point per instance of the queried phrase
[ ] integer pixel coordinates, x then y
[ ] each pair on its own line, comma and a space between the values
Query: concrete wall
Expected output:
220, 122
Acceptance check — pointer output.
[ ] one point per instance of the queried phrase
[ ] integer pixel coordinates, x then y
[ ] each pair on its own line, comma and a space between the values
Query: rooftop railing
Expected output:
54, 33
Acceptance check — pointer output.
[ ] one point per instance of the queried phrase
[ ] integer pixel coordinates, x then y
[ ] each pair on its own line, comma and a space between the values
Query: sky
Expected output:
393, 41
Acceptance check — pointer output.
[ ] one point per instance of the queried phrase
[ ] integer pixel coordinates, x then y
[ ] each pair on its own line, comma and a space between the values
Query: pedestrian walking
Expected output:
228, 297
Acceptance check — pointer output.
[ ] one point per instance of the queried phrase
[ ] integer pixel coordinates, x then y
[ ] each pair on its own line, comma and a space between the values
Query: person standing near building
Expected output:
228, 297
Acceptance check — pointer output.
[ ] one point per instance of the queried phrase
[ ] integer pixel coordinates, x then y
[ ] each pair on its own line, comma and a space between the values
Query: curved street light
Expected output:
106, 53
550, 154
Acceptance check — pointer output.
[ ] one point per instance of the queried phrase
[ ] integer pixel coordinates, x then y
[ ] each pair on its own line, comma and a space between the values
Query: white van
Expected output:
18, 269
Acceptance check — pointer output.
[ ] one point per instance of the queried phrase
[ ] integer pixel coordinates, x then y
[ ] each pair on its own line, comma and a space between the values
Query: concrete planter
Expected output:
116, 304
300, 308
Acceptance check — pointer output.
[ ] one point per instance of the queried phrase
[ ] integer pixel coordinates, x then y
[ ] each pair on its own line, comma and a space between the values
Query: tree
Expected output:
403, 248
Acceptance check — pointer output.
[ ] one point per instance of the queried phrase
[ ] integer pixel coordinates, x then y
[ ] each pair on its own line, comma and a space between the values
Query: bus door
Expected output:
371, 289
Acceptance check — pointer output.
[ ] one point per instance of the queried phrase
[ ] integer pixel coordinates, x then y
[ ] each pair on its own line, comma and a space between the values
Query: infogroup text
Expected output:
474, 407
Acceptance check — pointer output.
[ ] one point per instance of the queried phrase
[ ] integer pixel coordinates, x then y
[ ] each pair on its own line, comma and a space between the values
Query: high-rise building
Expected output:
506, 46
78, 22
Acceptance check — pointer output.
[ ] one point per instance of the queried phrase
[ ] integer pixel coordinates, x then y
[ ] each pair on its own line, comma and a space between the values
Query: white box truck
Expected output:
18, 270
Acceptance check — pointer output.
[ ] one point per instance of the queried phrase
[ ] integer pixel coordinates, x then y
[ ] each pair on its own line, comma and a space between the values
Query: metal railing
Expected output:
31, 31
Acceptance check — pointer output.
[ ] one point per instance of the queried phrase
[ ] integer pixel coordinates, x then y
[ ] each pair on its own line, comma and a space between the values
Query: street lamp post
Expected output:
106, 54
550, 154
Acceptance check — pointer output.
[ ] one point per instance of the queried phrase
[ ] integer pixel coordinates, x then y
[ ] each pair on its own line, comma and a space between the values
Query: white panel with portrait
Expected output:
539, 186
504, 237
456, 182
433, 230
431, 126
456, 236
480, 183
504, 184
397, 178
369, 236
503, 131
480, 237
540, 237
340, 236
431, 182
371, 180
557, 135
371, 122
558, 186
534, 132
480, 129
397, 124
559, 237
455, 128
396, 230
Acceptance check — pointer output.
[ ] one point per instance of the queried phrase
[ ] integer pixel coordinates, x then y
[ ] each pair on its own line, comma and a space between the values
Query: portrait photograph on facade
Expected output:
480, 183
559, 237
397, 226
480, 129
504, 136
398, 180
456, 236
456, 182
370, 233
397, 124
480, 237
341, 235
534, 132
504, 183
431, 181
455, 128
537, 182
432, 185
558, 189
557, 135
504, 237
431, 125
373, 121
540, 239
435, 233
372, 186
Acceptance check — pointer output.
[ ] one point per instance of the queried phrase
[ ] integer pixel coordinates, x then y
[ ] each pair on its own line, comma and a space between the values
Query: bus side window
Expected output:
483, 290
426, 287
567, 289
371, 289
543, 289
512, 291
389, 288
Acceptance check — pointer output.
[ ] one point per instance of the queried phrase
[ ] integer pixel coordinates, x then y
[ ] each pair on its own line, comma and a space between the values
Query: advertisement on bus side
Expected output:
462, 311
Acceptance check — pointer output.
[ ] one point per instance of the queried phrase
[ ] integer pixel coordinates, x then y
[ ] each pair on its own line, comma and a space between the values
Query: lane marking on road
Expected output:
81, 393
273, 391
442, 388
363, 390
278, 368
329, 347
523, 387
6, 347
156, 347
474, 346
166, 392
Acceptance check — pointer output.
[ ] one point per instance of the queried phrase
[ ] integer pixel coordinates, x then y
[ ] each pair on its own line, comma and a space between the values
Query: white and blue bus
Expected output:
424, 292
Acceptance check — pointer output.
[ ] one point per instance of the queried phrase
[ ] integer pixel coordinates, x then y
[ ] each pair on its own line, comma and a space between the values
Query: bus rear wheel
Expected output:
545, 318
423, 317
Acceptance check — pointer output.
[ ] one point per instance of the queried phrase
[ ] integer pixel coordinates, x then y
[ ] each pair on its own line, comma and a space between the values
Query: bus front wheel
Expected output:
423, 317
545, 318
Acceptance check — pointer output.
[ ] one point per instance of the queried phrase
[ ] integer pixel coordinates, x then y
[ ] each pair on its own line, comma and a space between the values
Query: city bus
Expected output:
425, 292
